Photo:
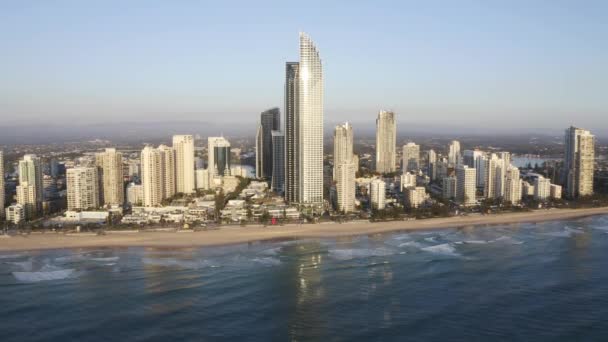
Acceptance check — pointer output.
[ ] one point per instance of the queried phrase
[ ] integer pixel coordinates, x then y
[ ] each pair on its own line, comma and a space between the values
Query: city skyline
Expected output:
535, 73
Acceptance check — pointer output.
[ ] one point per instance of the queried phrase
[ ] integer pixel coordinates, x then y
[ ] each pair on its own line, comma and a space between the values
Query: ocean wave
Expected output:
567, 232
267, 261
11, 256
359, 253
443, 249
108, 259
23, 265
35, 277
410, 244
431, 239
507, 240
171, 262
271, 251
476, 242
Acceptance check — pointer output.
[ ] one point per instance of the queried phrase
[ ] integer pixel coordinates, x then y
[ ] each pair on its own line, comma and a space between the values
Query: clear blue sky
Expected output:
542, 64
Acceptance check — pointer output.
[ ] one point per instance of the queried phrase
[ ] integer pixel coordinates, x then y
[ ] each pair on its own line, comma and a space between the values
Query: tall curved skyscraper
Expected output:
304, 122
386, 142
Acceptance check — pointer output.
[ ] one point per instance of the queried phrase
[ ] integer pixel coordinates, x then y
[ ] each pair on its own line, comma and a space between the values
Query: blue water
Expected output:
525, 282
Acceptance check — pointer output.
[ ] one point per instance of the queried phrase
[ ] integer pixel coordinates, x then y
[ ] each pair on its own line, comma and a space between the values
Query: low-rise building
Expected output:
415, 196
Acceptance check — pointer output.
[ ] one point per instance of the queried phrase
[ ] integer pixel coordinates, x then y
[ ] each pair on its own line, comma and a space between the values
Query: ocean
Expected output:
524, 282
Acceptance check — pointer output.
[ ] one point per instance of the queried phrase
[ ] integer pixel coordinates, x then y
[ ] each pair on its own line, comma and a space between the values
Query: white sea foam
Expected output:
69, 258
34, 277
108, 259
23, 265
11, 256
267, 261
507, 240
567, 232
171, 262
431, 239
271, 251
476, 242
411, 244
444, 249
348, 254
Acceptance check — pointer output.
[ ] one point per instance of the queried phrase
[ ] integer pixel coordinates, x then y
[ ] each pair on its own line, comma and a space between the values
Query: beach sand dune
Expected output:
235, 235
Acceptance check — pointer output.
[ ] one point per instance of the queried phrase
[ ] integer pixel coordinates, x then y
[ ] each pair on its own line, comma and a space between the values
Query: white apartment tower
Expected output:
454, 153
184, 163
411, 157
26, 197
513, 191
466, 185
386, 142
152, 176
82, 188
344, 167
542, 188
378, 193
343, 145
111, 177
30, 175
579, 158
168, 170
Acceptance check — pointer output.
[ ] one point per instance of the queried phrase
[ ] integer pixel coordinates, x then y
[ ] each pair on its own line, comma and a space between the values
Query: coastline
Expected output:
238, 235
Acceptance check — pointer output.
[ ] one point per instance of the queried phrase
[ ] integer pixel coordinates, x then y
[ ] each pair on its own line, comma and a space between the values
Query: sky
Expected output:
482, 65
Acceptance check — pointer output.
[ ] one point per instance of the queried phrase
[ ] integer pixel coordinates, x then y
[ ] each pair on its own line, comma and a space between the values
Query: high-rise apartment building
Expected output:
454, 153
270, 120
278, 162
343, 145
386, 142
184, 163
449, 188
542, 188
414, 196
168, 171
82, 188
411, 157
110, 173
345, 186
152, 176
304, 127
513, 191
431, 164
466, 185
30, 175
26, 196
292, 157
378, 193
2, 187
579, 159
218, 157
476, 159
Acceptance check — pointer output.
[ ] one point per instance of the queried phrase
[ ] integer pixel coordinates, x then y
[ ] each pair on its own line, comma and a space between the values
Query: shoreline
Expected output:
258, 233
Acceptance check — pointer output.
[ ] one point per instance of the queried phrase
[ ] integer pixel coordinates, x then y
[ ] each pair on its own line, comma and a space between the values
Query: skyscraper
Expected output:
431, 166
304, 127
111, 175
292, 179
82, 188
30, 175
512, 186
378, 193
270, 120
168, 171
343, 145
454, 153
278, 162
344, 167
2, 189
386, 142
152, 176
218, 157
411, 157
579, 159
184, 163
26, 197
466, 185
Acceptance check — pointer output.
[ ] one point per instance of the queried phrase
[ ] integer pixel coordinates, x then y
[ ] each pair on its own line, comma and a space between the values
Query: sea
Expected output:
523, 282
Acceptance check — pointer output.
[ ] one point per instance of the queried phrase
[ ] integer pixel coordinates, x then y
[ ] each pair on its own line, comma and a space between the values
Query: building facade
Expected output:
110, 173
386, 142
278, 162
82, 188
466, 185
184, 163
270, 120
579, 159
378, 194
411, 157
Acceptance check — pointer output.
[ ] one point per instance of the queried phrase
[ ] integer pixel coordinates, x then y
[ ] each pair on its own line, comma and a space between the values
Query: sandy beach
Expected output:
235, 235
